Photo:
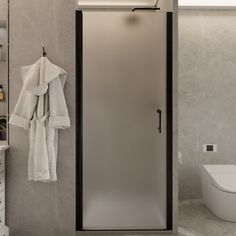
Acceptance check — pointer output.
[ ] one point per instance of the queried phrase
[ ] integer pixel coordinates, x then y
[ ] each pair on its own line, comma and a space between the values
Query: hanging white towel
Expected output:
42, 109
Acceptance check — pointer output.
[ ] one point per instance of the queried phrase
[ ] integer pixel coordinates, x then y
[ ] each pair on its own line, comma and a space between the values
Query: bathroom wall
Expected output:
207, 93
41, 209
3, 9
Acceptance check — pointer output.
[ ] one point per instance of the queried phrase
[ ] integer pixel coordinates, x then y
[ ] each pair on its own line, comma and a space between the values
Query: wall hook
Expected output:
44, 53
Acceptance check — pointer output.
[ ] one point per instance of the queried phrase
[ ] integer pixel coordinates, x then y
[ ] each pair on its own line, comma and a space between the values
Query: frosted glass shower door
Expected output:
124, 152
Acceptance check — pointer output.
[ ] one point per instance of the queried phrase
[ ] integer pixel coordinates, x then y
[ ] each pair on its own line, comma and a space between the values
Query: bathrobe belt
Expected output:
41, 119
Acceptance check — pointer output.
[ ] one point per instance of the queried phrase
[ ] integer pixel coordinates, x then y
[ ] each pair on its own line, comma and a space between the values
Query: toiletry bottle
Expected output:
2, 97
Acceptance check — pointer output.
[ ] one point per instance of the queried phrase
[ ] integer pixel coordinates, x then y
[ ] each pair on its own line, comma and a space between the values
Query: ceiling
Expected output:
207, 3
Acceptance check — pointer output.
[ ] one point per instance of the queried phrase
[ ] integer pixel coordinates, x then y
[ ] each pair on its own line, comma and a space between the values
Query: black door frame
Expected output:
79, 123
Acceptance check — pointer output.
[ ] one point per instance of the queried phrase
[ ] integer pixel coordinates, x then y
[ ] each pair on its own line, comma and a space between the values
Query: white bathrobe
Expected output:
42, 109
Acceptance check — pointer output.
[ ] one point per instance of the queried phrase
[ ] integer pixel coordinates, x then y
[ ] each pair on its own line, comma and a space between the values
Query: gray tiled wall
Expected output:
207, 93
3, 9
41, 209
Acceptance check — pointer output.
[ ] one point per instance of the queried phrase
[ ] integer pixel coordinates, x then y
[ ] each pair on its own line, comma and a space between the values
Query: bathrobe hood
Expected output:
39, 79
37, 76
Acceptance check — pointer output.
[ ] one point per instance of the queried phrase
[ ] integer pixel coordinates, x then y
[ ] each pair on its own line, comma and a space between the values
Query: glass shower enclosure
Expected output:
124, 115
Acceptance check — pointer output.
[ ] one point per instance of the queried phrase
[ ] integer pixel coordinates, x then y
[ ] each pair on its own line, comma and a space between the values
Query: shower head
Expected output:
156, 3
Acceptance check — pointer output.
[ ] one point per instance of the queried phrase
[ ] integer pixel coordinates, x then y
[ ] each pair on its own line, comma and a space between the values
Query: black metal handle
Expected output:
159, 112
146, 8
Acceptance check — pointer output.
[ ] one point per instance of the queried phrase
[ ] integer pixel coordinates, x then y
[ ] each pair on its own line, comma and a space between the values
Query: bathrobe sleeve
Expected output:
26, 104
24, 109
59, 117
